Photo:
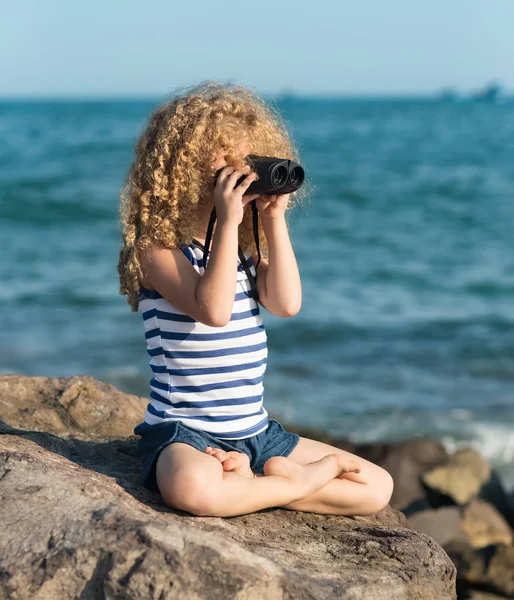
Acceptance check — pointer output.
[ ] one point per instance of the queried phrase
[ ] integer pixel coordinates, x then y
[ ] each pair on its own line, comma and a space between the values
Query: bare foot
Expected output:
314, 475
232, 461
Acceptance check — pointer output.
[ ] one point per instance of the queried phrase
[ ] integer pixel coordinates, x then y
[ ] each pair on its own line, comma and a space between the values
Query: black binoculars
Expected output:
276, 175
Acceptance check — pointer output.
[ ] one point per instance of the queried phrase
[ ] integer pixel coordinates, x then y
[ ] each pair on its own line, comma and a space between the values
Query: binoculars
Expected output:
276, 175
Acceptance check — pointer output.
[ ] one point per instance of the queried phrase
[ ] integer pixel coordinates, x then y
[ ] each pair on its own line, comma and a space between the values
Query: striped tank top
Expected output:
210, 378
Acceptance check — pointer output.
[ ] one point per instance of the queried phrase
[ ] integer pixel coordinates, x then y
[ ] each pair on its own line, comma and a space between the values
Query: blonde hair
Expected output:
171, 175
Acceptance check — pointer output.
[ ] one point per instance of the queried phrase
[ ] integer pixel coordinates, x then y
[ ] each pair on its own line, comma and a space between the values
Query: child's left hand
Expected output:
272, 206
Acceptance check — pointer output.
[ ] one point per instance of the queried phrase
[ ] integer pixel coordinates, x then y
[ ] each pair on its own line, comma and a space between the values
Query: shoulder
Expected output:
156, 252
157, 259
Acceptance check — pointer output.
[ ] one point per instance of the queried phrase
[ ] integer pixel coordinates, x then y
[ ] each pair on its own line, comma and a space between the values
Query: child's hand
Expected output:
229, 200
272, 206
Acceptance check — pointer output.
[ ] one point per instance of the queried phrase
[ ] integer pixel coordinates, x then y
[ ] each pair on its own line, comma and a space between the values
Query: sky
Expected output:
110, 48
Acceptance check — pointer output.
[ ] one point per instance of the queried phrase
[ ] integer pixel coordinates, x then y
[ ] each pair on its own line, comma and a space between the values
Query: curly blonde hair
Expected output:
171, 176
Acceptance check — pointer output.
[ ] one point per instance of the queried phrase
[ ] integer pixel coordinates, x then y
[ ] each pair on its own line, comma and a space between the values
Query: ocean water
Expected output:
405, 249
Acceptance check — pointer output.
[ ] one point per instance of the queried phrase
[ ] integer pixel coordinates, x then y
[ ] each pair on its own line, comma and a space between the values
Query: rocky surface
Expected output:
77, 524
460, 501
67, 406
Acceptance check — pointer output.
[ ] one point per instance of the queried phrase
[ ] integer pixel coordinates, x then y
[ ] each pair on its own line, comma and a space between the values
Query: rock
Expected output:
461, 477
501, 570
406, 462
471, 563
478, 540
69, 405
76, 524
484, 525
477, 595
489, 569
81, 527
494, 492
443, 524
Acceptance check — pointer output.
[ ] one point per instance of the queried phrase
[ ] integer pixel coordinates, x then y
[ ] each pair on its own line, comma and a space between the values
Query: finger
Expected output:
247, 181
248, 199
225, 172
233, 177
268, 197
243, 170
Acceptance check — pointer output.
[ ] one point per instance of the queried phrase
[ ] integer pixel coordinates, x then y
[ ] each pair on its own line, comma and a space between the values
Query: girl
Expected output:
207, 443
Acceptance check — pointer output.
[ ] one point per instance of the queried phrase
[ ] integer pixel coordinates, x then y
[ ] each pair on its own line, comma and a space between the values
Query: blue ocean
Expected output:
405, 247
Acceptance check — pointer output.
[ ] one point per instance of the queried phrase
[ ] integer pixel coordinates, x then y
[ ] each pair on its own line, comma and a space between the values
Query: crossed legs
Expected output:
315, 477
352, 492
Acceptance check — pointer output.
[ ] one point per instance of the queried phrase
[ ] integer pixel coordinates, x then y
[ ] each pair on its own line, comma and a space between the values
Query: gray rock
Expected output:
76, 524
443, 524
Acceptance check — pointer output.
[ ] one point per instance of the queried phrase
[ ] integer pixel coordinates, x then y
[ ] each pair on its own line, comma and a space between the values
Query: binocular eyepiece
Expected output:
276, 175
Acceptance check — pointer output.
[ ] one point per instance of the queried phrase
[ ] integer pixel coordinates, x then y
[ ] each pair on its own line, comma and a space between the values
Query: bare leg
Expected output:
337, 497
353, 494
284, 482
340, 497
188, 480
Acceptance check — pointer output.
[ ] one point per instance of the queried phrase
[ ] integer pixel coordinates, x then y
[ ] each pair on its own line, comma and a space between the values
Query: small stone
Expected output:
461, 477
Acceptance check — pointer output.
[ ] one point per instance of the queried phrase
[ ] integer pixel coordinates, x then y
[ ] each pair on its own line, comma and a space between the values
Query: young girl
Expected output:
207, 443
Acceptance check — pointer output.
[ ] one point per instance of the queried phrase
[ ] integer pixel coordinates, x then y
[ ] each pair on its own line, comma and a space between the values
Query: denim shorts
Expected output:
273, 441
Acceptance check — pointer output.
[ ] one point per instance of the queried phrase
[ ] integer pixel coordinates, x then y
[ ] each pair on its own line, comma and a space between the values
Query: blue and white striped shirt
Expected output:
210, 378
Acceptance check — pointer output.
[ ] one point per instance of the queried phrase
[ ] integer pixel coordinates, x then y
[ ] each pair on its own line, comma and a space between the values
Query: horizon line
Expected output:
281, 95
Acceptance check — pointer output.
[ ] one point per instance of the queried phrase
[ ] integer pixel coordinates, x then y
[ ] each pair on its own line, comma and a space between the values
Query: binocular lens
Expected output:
279, 176
296, 176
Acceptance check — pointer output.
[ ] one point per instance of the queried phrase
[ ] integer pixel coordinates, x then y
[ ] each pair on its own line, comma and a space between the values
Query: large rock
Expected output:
69, 405
76, 524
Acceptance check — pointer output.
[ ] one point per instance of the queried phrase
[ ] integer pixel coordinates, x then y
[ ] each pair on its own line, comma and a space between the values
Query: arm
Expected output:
208, 298
278, 280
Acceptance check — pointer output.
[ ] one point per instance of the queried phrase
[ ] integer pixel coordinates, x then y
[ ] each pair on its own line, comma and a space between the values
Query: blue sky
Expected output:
136, 48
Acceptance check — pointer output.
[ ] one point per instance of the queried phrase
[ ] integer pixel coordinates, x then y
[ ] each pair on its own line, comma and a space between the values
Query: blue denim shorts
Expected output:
273, 441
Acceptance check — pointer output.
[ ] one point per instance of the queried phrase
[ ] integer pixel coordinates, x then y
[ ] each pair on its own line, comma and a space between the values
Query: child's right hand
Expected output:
229, 200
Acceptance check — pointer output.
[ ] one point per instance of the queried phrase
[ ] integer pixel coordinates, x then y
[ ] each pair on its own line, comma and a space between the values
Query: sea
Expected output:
405, 247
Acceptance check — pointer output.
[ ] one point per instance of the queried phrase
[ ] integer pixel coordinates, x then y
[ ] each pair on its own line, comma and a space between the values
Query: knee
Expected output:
382, 490
189, 493
385, 490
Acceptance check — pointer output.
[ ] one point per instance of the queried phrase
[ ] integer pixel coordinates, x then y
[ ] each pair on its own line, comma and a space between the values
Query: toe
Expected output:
229, 464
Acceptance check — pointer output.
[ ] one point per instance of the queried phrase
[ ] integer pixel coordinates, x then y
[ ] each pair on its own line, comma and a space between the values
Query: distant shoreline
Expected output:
281, 97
